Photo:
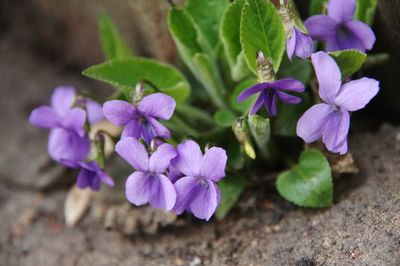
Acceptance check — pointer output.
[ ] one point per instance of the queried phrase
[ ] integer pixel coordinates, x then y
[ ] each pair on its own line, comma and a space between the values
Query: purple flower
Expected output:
339, 29
331, 120
68, 142
94, 111
141, 122
300, 44
148, 184
196, 191
270, 92
91, 175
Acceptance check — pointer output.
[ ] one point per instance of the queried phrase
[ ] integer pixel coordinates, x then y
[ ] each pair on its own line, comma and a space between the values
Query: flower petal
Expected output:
257, 105
304, 45
356, 94
162, 193
161, 159
159, 129
174, 174
287, 98
363, 32
189, 158
328, 75
132, 151
62, 99
213, 164
342, 10
288, 84
44, 117
270, 102
321, 27
137, 188
311, 125
106, 179
344, 40
75, 120
291, 45
186, 189
119, 112
84, 178
67, 147
335, 132
132, 129
158, 105
252, 90
205, 202
94, 111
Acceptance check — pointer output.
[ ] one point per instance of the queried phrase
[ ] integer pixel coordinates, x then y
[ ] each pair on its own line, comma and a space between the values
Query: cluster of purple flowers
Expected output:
178, 179
68, 118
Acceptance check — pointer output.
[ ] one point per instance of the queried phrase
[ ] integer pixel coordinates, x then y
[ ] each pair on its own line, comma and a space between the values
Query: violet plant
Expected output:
241, 96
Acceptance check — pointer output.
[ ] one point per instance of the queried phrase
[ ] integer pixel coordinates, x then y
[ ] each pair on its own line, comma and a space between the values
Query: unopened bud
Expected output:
265, 68
139, 93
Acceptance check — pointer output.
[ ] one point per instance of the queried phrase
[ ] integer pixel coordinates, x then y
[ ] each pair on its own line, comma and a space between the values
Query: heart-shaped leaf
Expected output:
224, 118
231, 189
349, 61
308, 184
366, 10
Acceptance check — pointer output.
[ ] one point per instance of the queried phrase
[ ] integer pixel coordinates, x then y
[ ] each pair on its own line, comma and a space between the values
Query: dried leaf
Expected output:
76, 205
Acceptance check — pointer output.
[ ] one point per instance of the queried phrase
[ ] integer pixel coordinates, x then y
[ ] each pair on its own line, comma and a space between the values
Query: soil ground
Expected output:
362, 228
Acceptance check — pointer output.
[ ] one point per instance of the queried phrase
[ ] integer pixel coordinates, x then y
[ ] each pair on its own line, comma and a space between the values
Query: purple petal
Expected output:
344, 39
321, 27
311, 125
132, 151
288, 84
213, 164
157, 105
252, 90
137, 188
291, 45
106, 179
84, 178
342, 10
67, 147
335, 132
287, 98
185, 191
119, 112
356, 94
161, 159
100, 174
205, 201
94, 111
132, 129
304, 44
189, 158
174, 174
159, 129
75, 120
328, 75
257, 105
363, 32
162, 193
270, 102
45, 117
62, 99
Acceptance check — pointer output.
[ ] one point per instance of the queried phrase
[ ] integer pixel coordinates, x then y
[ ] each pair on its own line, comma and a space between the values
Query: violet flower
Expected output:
338, 28
331, 120
270, 92
197, 191
90, 176
148, 184
68, 143
141, 121
299, 44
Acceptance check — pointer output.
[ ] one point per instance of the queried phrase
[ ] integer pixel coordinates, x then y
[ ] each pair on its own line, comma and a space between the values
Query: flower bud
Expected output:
265, 68
241, 131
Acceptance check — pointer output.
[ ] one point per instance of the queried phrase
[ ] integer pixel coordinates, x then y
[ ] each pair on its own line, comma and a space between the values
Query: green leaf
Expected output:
207, 16
126, 73
262, 29
308, 184
285, 123
245, 105
224, 118
261, 130
317, 7
231, 188
230, 38
297, 69
349, 61
111, 41
366, 10
236, 157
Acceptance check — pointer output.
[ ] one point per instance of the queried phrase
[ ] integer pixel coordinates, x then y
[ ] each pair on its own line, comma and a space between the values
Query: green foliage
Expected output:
349, 61
231, 189
245, 105
366, 10
124, 74
207, 15
224, 118
111, 41
262, 29
260, 130
318, 7
230, 38
297, 68
309, 184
